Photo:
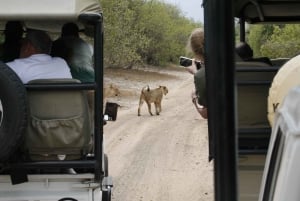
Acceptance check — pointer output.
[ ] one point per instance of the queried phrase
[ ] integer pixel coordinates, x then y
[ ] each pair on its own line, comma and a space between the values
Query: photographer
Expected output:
196, 45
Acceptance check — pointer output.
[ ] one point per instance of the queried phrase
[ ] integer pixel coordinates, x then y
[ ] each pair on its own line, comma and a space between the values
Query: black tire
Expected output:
67, 199
106, 171
13, 120
106, 194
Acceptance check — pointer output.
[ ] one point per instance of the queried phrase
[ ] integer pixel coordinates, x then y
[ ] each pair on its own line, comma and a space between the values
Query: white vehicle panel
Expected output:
51, 188
281, 178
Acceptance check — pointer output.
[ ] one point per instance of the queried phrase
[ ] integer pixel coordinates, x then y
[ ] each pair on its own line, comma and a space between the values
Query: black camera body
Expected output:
185, 62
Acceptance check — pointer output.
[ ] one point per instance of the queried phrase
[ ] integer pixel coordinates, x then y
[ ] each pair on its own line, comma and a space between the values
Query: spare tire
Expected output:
286, 78
13, 114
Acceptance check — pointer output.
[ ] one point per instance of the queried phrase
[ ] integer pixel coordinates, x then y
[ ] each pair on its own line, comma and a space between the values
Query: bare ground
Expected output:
157, 158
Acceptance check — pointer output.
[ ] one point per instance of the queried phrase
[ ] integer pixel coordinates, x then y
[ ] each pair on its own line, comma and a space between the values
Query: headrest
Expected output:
244, 51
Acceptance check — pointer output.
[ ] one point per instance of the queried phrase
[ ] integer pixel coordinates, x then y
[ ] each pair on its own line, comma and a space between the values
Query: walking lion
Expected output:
152, 96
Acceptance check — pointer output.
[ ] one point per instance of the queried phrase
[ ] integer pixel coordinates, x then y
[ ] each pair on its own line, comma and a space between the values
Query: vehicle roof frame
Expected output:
220, 73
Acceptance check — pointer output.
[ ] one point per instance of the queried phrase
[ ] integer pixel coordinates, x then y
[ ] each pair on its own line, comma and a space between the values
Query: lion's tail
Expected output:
144, 88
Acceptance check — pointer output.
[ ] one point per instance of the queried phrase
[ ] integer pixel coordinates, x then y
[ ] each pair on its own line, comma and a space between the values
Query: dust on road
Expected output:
158, 158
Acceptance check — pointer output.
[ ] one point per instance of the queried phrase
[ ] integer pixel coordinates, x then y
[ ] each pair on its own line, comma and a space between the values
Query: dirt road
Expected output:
159, 158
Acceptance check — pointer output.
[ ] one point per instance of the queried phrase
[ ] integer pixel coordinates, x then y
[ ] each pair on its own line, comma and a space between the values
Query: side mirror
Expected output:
111, 111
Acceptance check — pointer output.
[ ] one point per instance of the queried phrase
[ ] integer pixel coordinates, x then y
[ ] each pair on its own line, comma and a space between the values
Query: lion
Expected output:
152, 96
108, 92
111, 91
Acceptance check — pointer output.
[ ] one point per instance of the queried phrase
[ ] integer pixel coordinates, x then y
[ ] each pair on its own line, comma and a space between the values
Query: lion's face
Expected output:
111, 91
164, 89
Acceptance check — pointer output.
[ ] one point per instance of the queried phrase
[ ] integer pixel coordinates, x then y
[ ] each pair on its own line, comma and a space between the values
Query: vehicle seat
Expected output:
252, 94
246, 53
253, 82
279, 61
59, 123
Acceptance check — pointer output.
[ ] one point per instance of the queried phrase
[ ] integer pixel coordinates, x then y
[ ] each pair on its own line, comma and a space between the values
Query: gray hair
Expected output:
40, 40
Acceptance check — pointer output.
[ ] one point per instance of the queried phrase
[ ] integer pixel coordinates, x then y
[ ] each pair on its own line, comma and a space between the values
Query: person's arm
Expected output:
193, 68
200, 108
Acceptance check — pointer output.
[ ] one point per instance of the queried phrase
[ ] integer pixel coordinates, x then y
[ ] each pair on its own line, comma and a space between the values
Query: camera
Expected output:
185, 62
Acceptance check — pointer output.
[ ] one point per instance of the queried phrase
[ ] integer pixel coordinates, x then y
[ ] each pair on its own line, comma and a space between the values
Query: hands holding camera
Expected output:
193, 68
191, 65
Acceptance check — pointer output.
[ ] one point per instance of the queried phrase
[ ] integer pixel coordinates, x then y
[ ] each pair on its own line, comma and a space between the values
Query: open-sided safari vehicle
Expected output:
46, 129
237, 112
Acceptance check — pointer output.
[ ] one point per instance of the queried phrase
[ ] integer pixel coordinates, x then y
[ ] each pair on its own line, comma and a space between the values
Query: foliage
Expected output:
258, 36
284, 42
275, 41
143, 32
122, 35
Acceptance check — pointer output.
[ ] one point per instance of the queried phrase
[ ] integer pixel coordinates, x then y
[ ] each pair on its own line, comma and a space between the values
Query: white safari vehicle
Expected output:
239, 106
281, 179
51, 147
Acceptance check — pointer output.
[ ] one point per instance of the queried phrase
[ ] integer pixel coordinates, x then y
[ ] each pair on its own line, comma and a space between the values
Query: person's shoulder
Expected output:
18, 65
58, 41
73, 39
58, 60
17, 62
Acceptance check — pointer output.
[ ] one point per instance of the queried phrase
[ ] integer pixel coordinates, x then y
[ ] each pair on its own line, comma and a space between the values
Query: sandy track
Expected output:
160, 158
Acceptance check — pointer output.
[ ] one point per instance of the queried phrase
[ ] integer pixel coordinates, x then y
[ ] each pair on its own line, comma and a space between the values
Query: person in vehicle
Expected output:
244, 50
13, 34
77, 53
196, 45
35, 61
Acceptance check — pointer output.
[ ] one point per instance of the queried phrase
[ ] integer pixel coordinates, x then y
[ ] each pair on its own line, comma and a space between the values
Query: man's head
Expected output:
70, 29
35, 42
13, 30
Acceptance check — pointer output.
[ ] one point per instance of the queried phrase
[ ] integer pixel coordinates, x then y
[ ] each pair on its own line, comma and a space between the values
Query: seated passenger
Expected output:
77, 53
246, 53
13, 34
35, 61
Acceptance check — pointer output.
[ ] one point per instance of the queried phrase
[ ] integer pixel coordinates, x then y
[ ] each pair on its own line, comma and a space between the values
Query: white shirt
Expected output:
40, 66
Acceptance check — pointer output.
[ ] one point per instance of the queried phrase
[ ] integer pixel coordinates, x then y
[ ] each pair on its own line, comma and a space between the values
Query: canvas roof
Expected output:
46, 9
46, 14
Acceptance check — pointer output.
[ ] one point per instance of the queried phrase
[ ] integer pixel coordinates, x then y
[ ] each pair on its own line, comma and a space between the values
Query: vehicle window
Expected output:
274, 166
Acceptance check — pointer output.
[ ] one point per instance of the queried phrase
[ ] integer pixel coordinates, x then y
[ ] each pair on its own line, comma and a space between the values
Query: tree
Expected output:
275, 41
144, 32
258, 35
284, 42
122, 35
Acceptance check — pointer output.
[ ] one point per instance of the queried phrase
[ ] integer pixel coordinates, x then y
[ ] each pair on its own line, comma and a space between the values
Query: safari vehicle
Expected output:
36, 163
237, 106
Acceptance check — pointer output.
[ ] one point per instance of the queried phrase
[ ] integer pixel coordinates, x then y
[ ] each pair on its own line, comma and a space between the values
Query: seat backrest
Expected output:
59, 124
252, 106
279, 61
252, 98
